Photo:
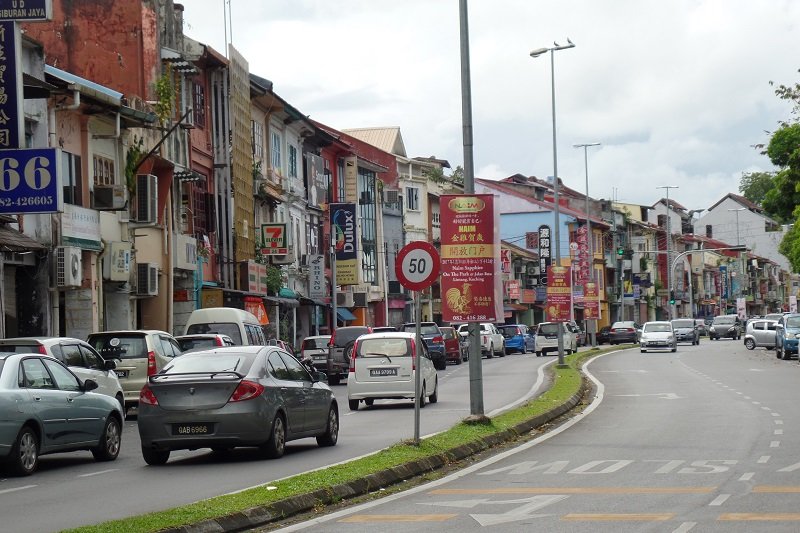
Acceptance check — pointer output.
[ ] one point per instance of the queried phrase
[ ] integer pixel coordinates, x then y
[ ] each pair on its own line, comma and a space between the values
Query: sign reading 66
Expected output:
30, 181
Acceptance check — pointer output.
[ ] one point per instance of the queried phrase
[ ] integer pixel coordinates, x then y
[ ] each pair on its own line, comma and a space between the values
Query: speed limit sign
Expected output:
417, 265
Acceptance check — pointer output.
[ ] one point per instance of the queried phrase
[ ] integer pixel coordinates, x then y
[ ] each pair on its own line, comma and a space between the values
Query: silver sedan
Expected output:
234, 396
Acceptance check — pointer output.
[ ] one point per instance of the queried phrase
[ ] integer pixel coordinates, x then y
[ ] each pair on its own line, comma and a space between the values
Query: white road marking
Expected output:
747, 477
756, 403
778, 432
100, 472
719, 500
775, 444
747, 398
685, 527
520, 513
6, 491
763, 459
767, 408
778, 422
662, 395
776, 414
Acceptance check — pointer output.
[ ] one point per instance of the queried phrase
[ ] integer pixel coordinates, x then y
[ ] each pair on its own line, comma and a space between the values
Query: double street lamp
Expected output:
556, 211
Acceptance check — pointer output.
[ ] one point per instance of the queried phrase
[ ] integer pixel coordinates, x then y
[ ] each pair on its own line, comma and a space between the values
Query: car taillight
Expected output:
247, 390
438, 339
147, 397
353, 357
218, 341
413, 355
518, 332
151, 363
484, 338
42, 349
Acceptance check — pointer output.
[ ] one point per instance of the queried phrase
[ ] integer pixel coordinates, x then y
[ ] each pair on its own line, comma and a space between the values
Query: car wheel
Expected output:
458, 360
369, 401
155, 457
276, 444
750, 344
24, 458
333, 379
121, 401
331, 434
353, 404
674, 349
422, 398
110, 440
643, 350
491, 352
435, 396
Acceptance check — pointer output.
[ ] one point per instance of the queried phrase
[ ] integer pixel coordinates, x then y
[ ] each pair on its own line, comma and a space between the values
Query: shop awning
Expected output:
312, 301
345, 314
509, 307
277, 300
12, 240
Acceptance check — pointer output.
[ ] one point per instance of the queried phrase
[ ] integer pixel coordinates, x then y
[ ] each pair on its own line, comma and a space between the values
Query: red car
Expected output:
452, 345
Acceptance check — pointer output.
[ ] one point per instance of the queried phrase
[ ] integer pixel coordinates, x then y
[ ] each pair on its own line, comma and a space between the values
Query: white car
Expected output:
658, 335
383, 366
547, 338
492, 340
78, 355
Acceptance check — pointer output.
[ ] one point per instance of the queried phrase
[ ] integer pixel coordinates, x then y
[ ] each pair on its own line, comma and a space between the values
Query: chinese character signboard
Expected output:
591, 302
345, 241
505, 261
584, 266
559, 293
318, 182
513, 289
273, 239
471, 284
723, 274
11, 123
532, 240
544, 253
81, 227
316, 276
792, 303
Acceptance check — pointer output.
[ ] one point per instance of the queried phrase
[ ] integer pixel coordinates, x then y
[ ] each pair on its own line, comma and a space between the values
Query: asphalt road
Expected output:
704, 439
71, 489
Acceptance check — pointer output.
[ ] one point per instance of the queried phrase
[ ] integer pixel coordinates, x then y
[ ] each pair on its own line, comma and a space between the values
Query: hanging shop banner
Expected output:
513, 288
723, 274
318, 182
273, 239
505, 261
584, 266
316, 276
741, 308
591, 301
255, 305
471, 283
545, 251
559, 293
792, 303
345, 240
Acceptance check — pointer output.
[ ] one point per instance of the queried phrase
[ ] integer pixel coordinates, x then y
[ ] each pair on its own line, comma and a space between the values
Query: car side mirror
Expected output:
89, 385
109, 364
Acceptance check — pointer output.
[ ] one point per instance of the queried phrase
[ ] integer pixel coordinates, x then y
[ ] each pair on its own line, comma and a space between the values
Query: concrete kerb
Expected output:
266, 514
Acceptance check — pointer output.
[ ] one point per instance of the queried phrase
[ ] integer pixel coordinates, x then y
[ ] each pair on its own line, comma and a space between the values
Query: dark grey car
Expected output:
234, 396
686, 330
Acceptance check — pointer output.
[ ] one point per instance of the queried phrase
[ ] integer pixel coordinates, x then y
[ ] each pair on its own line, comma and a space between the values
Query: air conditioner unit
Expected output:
360, 299
109, 197
531, 283
344, 299
146, 198
520, 270
391, 196
68, 266
395, 287
146, 279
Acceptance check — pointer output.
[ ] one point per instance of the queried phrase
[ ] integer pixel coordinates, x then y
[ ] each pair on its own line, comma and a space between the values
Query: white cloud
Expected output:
676, 91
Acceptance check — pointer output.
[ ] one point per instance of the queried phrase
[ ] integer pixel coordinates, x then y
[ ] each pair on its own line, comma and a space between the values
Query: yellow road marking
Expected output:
759, 517
581, 490
627, 517
362, 518
776, 489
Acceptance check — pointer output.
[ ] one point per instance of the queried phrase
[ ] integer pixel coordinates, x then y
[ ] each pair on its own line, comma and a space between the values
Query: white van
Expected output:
241, 326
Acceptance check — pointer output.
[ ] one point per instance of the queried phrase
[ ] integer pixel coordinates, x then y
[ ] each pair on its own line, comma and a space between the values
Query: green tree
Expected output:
755, 185
437, 175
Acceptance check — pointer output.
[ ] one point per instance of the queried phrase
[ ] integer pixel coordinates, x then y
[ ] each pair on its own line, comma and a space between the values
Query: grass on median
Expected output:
567, 382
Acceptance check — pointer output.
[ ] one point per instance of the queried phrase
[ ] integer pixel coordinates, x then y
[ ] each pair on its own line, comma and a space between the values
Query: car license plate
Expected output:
191, 429
320, 357
378, 372
122, 373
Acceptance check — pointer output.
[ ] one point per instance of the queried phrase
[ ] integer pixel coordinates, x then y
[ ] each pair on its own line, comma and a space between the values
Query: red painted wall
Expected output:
110, 42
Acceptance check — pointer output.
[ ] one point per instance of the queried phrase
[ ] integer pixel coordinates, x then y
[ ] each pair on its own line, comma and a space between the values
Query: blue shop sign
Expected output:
30, 181
26, 10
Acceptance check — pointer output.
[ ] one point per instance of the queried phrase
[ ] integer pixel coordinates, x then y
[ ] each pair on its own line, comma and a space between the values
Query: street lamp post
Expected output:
669, 244
556, 210
585, 146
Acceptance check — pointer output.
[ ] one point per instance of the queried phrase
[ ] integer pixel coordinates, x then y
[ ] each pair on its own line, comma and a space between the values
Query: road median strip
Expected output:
314, 490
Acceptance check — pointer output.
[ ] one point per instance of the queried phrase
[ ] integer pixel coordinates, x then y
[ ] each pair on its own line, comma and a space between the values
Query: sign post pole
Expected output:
417, 379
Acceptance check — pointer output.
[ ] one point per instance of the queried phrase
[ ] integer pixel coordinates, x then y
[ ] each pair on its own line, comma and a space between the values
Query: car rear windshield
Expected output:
683, 323
223, 328
793, 322
20, 348
508, 331
385, 347
119, 346
345, 335
315, 344
657, 328
448, 333
723, 320
211, 362
196, 344
622, 325
548, 329
424, 329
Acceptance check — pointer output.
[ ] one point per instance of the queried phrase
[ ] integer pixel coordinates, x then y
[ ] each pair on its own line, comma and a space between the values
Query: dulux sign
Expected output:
345, 242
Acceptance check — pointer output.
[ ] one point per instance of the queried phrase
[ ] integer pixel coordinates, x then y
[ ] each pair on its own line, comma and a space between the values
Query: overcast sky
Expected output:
676, 91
